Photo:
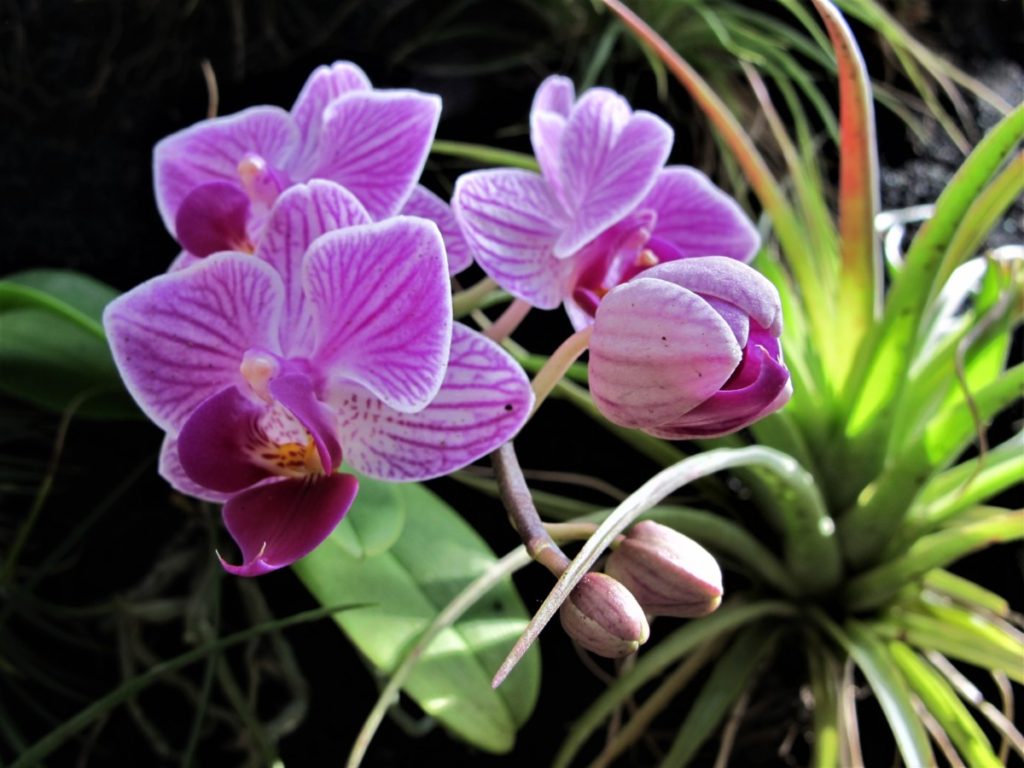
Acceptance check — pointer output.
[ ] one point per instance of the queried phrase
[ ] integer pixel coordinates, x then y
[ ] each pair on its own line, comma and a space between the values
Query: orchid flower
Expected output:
334, 339
216, 181
689, 349
602, 210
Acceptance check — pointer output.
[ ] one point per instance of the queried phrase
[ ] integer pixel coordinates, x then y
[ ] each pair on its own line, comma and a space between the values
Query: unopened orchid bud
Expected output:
689, 349
669, 574
601, 615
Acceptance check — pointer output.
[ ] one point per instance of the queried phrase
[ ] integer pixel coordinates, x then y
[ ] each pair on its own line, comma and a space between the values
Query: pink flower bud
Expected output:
669, 574
602, 616
689, 349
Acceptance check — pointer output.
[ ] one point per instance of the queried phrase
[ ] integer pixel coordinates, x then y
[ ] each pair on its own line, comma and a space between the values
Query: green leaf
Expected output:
481, 154
859, 289
887, 353
941, 700
374, 524
405, 587
875, 587
653, 662
966, 592
872, 656
955, 632
53, 351
826, 678
731, 675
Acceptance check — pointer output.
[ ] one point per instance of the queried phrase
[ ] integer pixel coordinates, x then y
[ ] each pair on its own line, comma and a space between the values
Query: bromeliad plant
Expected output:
302, 349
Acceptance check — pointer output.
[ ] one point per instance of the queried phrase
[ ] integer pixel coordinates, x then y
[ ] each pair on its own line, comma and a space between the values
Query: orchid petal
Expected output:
179, 338
729, 280
609, 161
483, 402
170, 469
376, 144
321, 88
511, 220
295, 392
183, 260
217, 444
212, 149
696, 218
732, 409
549, 115
300, 216
657, 351
382, 308
425, 204
275, 524
211, 218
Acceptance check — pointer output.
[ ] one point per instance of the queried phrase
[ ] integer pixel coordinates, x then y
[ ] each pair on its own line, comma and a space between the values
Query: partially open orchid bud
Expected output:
602, 616
689, 349
669, 574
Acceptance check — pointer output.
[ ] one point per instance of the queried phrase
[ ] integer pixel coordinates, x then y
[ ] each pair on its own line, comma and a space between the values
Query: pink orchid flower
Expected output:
216, 181
689, 349
334, 339
603, 209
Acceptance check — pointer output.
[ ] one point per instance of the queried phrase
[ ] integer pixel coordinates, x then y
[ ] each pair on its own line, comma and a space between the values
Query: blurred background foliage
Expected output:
105, 572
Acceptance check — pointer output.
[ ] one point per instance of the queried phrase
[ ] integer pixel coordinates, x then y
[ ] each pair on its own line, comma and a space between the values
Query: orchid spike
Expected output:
690, 349
603, 209
216, 181
334, 339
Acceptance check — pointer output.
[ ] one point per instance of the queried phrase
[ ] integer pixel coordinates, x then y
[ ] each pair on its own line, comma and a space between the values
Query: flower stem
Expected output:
468, 299
509, 320
812, 552
557, 365
517, 499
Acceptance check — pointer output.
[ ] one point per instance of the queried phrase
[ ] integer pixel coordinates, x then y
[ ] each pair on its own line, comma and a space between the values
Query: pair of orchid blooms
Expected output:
309, 314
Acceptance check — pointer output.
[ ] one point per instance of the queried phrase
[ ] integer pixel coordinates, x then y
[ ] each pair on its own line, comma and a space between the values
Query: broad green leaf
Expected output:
53, 352
875, 587
734, 672
872, 656
945, 706
405, 587
375, 523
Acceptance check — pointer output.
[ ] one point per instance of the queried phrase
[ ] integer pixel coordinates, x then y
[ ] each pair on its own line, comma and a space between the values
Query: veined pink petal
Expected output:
425, 204
212, 217
549, 115
170, 469
696, 218
511, 220
382, 308
322, 87
731, 409
610, 158
300, 216
179, 338
375, 144
183, 260
727, 279
212, 149
277, 523
219, 443
483, 402
657, 351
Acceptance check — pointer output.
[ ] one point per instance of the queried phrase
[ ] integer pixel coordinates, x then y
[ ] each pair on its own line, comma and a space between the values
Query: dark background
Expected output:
86, 89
